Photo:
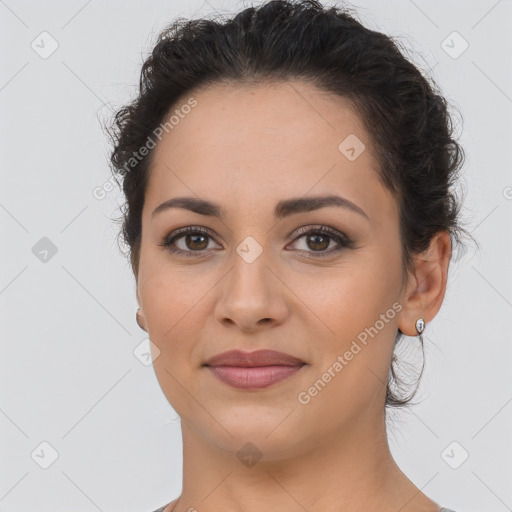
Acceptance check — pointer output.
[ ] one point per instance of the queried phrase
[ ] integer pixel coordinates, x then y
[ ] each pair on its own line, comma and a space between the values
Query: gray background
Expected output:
69, 375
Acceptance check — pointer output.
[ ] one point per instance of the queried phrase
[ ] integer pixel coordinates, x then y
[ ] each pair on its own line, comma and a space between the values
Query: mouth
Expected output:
253, 377
253, 370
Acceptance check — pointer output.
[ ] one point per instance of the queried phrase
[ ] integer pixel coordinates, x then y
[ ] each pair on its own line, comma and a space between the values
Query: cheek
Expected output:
170, 299
357, 305
349, 298
172, 305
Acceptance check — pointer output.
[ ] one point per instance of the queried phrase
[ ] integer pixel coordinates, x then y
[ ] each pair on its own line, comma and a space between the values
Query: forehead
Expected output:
262, 141
282, 117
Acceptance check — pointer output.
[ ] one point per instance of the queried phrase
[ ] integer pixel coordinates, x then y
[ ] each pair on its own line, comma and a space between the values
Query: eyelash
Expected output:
344, 241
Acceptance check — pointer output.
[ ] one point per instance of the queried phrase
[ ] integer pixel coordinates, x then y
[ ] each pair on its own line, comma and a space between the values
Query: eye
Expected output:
195, 241
319, 239
195, 238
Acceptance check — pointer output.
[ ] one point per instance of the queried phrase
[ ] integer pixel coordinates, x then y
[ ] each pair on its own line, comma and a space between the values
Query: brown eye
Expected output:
195, 241
318, 240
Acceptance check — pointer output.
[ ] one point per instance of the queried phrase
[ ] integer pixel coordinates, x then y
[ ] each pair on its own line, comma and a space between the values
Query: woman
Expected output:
290, 216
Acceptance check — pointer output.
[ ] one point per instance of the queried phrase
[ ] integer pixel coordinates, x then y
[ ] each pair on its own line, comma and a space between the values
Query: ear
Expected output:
426, 288
140, 317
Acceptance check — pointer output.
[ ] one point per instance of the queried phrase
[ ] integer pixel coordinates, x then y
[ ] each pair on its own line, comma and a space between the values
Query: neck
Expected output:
346, 470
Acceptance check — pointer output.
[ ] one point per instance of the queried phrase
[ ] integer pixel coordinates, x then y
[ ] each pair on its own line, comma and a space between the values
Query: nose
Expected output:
252, 297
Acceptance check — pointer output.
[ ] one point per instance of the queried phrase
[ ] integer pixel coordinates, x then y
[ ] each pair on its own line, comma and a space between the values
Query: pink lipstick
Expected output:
253, 370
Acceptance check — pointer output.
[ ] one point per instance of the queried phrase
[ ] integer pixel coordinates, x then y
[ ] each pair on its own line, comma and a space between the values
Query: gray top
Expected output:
161, 509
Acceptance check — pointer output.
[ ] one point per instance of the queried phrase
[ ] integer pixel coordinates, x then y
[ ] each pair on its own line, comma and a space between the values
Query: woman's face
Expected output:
253, 282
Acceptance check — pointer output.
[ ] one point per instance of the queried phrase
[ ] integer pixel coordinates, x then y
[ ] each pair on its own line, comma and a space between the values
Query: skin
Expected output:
246, 148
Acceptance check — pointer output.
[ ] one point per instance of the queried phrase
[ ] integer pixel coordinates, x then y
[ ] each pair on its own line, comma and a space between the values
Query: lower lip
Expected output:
257, 377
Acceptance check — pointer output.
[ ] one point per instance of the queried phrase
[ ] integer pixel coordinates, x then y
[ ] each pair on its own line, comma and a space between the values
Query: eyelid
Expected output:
299, 232
343, 241
180, 232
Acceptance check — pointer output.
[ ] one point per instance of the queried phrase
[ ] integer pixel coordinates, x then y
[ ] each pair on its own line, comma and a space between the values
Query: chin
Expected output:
275, 433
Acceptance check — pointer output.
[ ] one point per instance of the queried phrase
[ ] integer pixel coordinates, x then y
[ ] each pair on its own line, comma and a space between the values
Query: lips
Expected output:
253, 370
253, 359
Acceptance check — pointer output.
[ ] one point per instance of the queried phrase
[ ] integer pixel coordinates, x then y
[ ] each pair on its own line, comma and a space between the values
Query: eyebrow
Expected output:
282, 209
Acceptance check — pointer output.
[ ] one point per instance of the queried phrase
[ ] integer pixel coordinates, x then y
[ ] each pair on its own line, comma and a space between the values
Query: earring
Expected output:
137, 317
420, 327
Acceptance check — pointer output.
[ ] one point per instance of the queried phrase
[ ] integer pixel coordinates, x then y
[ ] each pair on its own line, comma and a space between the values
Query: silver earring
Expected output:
420, 327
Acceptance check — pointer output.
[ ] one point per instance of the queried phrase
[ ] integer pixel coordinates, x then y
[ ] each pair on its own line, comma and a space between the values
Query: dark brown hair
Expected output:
404, 114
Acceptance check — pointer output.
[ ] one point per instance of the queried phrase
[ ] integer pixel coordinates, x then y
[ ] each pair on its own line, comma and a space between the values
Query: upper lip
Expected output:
252, 359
